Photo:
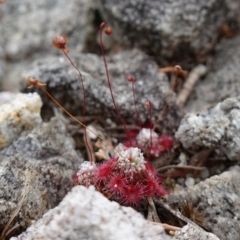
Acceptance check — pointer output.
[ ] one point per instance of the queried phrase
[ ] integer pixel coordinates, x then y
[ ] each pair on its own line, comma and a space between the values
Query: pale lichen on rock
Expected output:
22, 113
217, 128
218, 202
86, 214
189, 232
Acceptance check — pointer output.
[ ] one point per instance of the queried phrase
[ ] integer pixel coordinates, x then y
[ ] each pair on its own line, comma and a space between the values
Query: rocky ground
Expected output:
197, 105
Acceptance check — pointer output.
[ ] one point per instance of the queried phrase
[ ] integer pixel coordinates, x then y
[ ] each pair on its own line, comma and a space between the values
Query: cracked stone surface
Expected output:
176, 30
189, 232
39, 164
216, 128
218, 198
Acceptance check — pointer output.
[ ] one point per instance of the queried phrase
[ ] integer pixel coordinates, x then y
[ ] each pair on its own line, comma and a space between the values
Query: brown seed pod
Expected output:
131, 79
60, 42
35, 83
108, 30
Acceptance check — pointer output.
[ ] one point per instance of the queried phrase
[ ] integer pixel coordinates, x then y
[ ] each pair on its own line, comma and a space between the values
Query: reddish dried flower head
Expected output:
131, 79
60, 43
108, 30
35, 83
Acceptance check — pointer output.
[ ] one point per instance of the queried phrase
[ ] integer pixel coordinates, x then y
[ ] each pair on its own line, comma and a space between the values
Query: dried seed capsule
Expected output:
108, 30
131, 79
60, 42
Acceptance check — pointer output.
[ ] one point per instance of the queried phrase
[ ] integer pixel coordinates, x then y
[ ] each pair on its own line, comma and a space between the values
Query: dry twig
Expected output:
173, 69
189, 84
181, 167
88, 143
154, 219
167, 227
152, 212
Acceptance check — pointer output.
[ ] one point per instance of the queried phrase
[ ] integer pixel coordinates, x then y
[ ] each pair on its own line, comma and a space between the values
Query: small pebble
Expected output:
189, 182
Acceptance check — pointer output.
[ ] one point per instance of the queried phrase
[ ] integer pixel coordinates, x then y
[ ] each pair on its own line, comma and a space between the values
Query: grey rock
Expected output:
86, 214
217, 200
190, 232
35, 24
168, 30
223, 79
44, 160
63, 83
217, 127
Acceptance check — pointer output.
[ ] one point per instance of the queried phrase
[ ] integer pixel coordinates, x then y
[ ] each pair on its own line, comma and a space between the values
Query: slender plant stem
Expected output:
135, 104
109, 82
84, 105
